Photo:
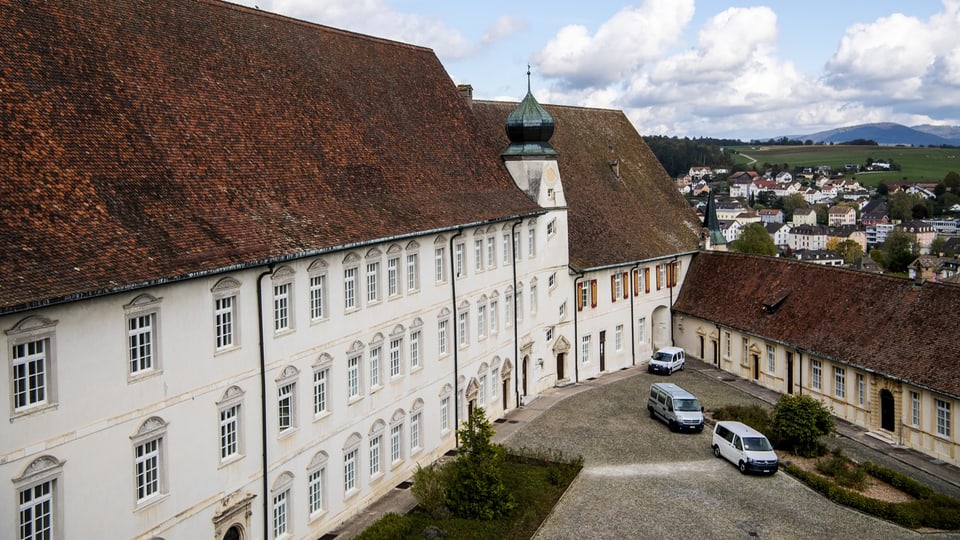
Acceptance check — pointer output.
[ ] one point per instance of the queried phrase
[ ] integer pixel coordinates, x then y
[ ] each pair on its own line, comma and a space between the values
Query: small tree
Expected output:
477, 490
754, 239
799, 421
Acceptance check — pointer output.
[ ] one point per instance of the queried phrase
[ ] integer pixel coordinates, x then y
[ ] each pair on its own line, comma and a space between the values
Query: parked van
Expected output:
667, 360
678, 408
744, 446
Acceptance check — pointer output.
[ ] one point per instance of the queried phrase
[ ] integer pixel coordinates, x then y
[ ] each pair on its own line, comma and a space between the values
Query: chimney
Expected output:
466, 92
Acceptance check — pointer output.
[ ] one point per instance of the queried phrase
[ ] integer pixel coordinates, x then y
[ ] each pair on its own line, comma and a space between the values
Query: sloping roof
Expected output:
145, 141
881, 323
640, 215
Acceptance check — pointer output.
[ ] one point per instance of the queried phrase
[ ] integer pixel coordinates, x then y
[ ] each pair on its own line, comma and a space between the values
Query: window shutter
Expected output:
613, 287
580, 288
626, 287
593, 293
646, 280
636, 281
659, 281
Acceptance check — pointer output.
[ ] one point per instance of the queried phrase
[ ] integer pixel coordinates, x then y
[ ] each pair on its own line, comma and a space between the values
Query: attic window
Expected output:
773, 302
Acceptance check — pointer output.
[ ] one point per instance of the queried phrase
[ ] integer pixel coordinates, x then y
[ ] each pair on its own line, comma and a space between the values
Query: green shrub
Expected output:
900, 481
799, 421
430, 485
389, 527
476, 489
844, 472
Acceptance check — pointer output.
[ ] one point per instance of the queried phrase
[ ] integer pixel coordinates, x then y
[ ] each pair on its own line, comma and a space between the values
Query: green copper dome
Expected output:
529, 128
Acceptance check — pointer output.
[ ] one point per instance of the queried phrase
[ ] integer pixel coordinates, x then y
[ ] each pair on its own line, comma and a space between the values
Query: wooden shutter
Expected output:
646, 280
593, 293
613, 287
580, 288
636, 281
625, 278
659, 280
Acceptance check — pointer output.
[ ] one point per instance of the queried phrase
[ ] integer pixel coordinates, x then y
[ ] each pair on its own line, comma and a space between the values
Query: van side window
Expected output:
661, 398
737, 443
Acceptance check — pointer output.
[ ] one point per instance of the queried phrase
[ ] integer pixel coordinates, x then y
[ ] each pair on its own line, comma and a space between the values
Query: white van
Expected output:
678, 408
744, 446
667, 360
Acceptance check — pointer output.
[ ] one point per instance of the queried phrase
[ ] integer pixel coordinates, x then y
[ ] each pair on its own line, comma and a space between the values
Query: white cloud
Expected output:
505, 26
634, 35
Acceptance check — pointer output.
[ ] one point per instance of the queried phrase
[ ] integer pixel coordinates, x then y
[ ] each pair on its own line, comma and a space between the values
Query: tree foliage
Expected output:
899, 250
799, 421
678, 155
476, 490
792, 203
850, 250
754, 239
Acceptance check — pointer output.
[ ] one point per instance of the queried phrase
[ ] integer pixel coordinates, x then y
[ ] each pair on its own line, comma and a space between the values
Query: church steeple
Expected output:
713, 235
529, 128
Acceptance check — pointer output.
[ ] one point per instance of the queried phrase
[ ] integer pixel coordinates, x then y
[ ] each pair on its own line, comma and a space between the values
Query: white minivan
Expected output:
744, 446
667, 360
678, 408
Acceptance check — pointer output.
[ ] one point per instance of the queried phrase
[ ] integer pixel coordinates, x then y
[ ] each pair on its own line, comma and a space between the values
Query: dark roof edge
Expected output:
8, 310
631, 263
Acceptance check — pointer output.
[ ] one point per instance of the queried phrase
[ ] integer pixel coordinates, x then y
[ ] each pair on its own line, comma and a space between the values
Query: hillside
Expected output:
886, 133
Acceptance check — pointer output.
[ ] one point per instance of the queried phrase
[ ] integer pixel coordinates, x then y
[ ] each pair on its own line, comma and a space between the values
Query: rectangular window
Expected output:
481, 320
861, 389
36, 511
641, 330
280, 513
551, 227
442, 336
661, 275
508, 309
562, 311
478, 254
318, 285
491, 252
415, 431
229, 432
315, 487
353, 377
493, 316
771, 359
494, 380
583, 298
395, 439
350, 471
445, 413
531, 243
285, 404
439, 265
552, 281
516, 245
374, 367
140, 335
746, 351
618, 337
375, 452
915, 408
281, 307
533, 299
549, 334
943, 418
616, 287
482, 391
413, 272
585, 349
373, 282
462, 328
395, 345
148, 469
393, 276
223, 321
30, 374
815, 375
349, 288
729, 340
320, 378
458, 257
839, 382
414, 349
507, 256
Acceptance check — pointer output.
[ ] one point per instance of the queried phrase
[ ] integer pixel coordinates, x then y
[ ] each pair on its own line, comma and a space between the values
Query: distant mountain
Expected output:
889, 133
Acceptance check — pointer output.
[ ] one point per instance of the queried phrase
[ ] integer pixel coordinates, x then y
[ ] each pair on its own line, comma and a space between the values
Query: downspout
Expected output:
516, 331
455, 344
576, 315
719, 344
263, 403
671, 281
633, 334
800, 369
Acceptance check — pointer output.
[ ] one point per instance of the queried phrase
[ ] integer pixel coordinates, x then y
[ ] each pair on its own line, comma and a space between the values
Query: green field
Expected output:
916, 164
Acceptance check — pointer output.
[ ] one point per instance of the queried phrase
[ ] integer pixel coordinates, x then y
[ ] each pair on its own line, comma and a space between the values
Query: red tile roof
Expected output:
880, 323
639, 216
151, 140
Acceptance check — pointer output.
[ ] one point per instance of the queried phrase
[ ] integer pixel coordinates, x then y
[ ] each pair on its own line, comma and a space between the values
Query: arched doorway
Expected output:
233, 533
887, 420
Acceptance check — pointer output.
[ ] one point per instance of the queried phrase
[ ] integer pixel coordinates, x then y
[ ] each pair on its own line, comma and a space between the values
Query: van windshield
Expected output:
756, 443
662, 356
686, 405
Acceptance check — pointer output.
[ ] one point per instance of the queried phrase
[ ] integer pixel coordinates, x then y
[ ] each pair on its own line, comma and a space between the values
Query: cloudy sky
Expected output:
718, 68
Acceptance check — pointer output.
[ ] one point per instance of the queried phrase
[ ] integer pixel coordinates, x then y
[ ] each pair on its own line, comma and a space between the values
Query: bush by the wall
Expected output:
389, 527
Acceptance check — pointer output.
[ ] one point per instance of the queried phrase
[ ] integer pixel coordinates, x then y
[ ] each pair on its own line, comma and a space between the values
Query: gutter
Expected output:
576, 316
456, 343
263, 403
516, 331
633, 335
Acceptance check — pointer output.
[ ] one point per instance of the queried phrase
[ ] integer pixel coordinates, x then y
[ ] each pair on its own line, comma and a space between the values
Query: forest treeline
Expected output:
678, 155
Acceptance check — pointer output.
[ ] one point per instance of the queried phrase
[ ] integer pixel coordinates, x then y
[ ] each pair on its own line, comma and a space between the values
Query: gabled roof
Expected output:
152, 141
612, 219
884, 324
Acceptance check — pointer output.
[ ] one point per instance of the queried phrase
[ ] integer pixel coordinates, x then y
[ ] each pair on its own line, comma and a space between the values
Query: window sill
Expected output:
137, 377
32, 411
354, 400
284, 332
321, 415
226, 350
152, 501
231, 460
287, 433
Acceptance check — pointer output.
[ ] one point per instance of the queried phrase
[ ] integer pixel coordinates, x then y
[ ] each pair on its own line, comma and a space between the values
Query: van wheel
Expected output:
716, 450
681, 366
652, 414
743, 467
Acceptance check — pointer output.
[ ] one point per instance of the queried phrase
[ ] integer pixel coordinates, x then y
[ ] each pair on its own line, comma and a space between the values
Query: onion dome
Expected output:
529, 128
